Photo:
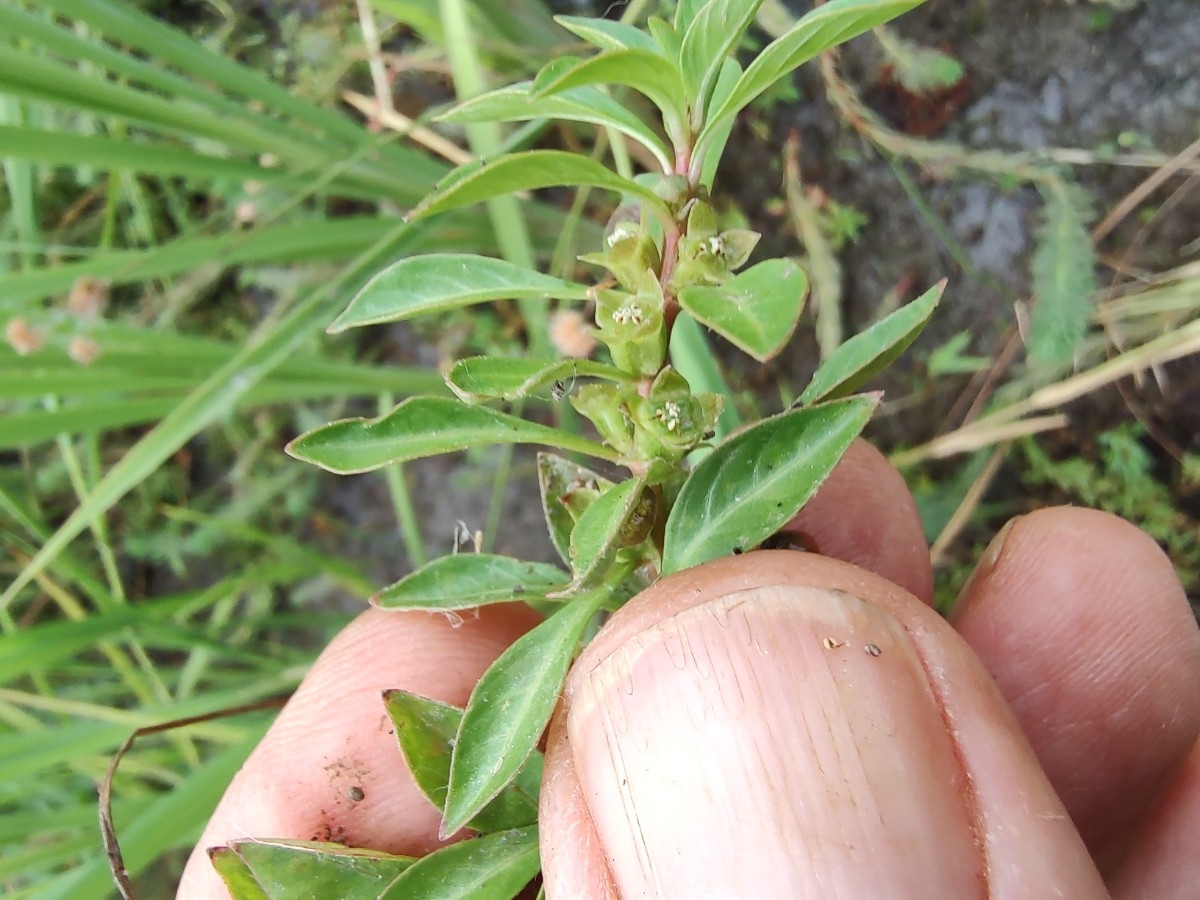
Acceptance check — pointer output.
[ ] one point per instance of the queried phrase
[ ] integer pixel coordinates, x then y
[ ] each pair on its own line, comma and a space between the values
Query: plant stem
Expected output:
406, 516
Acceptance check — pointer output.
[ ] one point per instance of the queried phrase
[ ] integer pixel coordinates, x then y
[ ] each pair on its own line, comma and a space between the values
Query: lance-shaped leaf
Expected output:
826, 26
466, 580
558, 480
528, 171
271, 869
425, 426
645, 71
426, 730
686, 12
757, 479
601, 531
606, 33
480, 378
509, 709
441, 281
581, 104
853, 363
757, 310
712, 36
708, 154
493, 867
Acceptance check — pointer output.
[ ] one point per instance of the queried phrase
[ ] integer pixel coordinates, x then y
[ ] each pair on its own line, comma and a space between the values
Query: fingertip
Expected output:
864, 514
329, 767
1163, 862
1080, 619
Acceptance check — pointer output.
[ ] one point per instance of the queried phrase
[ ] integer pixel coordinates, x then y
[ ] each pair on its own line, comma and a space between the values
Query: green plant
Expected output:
1119, 477
696, 487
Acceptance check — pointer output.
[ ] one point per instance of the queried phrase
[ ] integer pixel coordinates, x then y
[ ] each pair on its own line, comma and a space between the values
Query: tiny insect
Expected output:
872, 649
558, 390
831, 644
356, 794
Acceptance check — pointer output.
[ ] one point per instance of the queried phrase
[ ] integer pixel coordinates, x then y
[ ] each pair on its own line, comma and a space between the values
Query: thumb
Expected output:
785, 725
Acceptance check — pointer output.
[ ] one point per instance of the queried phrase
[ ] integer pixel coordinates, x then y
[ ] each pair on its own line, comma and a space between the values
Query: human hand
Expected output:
731, 732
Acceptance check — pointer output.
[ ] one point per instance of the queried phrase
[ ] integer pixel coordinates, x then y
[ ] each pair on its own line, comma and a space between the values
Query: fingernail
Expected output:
986, 565
777, 742
995, 549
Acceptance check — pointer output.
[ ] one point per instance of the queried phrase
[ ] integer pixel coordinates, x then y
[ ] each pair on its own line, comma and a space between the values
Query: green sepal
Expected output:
605, 406
670, 420
708, 255
634, 328
631, 255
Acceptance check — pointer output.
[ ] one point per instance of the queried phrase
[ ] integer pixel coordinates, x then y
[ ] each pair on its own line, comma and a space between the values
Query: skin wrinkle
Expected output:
837, 770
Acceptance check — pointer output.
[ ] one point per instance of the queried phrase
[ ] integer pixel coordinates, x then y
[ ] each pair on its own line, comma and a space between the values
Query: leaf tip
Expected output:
449, 827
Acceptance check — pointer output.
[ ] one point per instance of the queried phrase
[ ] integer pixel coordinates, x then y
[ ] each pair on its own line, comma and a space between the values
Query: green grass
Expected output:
152, 528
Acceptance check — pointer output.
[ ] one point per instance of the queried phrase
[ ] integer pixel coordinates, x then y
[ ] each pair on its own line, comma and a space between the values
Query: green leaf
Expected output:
466, 580
239, 880
826, 26
757, 310
853, 363
426, 731
686, 12
1064, 278
558, 480
581, 104
440, 281
493, 867
951, 359
645, 71
480, 378
607, 34
528, 171
714, 33
668, 40
709, 153
425, 426
271, 869
601, 531
509, 709
758, 479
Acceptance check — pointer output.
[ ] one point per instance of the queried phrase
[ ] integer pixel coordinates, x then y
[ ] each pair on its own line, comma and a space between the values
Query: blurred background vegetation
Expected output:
191, 190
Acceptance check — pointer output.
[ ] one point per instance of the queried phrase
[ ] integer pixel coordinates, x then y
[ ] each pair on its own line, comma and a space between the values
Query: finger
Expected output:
1163, 862
1079, 618
864, 514
732, 732
329, 767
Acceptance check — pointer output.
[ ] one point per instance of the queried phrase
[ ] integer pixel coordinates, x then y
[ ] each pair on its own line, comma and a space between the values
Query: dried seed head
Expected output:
83, 350
245, 213
571, 334
22, 337
87, 298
